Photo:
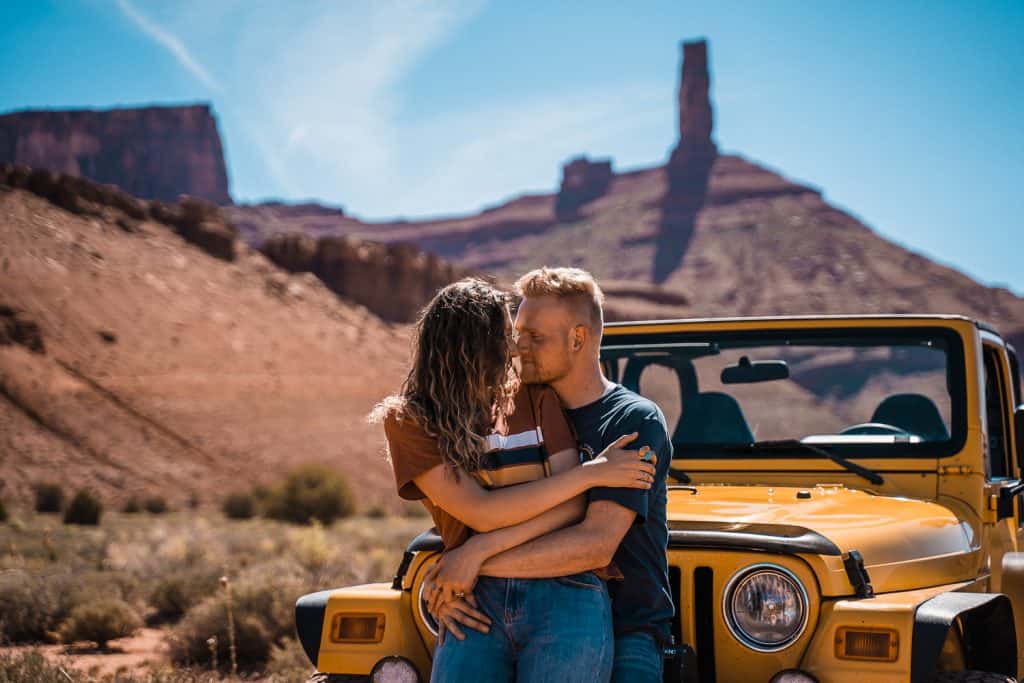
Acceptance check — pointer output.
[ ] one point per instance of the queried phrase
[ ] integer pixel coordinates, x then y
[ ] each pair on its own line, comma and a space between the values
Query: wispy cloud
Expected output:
170, 42
319, 99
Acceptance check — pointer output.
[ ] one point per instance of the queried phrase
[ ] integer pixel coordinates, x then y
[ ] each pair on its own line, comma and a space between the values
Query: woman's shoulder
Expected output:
538, 401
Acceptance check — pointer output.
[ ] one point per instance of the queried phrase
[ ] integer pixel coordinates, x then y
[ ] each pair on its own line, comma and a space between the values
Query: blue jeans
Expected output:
638, 659
557, 630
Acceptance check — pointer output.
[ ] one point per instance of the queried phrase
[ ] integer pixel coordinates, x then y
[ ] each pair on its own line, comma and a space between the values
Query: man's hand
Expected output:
464, 611
453, 576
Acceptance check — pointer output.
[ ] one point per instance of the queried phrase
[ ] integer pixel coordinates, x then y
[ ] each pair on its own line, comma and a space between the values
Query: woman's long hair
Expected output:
462, 376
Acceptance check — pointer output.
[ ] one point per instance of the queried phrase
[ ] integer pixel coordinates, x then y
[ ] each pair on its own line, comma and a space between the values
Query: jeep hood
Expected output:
905, 543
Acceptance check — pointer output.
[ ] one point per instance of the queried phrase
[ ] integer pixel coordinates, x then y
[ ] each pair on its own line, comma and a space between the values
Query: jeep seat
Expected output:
712, 417
914, 413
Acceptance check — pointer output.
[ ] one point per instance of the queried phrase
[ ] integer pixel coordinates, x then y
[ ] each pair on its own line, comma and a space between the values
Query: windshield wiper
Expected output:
790, 444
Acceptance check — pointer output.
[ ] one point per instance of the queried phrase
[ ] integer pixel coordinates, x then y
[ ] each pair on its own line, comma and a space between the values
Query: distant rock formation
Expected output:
197, 221
583, 180
392, 280
689, 167
151, 152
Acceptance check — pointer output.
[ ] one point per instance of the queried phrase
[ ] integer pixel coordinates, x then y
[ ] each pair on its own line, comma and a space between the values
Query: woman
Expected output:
460, 432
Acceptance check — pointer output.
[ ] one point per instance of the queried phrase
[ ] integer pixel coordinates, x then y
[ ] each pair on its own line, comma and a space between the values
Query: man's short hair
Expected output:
573, 285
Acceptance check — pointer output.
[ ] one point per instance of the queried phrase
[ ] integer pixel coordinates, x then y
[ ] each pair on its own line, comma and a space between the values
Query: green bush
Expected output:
49, 497
84, 508
132, 506
310, 492
239, 505
100, 621
156, 505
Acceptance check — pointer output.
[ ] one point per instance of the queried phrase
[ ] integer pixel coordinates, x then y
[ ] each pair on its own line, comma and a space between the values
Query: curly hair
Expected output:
462, 376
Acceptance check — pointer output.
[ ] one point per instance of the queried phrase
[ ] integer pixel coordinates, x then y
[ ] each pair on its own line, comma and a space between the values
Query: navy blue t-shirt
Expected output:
642, 601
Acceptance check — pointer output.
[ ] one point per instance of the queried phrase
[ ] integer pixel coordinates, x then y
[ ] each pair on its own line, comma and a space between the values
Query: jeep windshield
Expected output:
853, 392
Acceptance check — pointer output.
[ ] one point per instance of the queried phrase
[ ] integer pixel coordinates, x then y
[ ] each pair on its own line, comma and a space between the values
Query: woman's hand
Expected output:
618, 467
453, 576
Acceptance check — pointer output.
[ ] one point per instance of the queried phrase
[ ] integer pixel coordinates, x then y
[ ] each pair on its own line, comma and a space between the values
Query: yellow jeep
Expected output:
844, 505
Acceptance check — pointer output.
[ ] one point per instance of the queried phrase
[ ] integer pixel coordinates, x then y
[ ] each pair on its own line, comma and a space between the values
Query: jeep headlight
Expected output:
765, 607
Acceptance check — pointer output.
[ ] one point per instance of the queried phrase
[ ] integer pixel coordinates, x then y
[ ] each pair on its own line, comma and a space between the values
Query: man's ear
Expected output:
579, 337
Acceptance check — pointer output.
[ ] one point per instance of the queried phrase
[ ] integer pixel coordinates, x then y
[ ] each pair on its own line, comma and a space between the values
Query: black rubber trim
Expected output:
309, 621
990, 638
770, 538
428, 540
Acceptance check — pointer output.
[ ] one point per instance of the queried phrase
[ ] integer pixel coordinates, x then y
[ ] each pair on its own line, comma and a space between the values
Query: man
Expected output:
559, 324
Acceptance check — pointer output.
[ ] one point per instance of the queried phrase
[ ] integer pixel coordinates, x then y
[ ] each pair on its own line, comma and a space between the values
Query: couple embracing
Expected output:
546, 481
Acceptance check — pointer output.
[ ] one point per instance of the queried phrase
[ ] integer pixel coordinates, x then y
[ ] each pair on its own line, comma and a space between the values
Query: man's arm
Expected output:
588, 545
486, 510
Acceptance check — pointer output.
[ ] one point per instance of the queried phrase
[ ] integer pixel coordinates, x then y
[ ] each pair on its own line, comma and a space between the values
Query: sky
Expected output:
909, 114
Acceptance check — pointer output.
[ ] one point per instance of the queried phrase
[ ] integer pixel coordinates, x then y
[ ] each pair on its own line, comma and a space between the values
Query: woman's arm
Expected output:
484, 510
457, 569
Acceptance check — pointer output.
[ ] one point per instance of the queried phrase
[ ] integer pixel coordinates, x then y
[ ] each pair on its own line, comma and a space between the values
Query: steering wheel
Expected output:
874, 428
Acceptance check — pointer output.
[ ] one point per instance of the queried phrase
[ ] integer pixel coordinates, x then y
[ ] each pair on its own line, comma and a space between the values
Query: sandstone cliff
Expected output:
392, 280
150, 152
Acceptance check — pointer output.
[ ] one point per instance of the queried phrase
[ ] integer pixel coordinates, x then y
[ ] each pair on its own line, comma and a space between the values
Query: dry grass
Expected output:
146, 561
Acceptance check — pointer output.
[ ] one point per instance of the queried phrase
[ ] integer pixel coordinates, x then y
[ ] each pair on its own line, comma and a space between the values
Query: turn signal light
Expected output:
875, 644
357, 628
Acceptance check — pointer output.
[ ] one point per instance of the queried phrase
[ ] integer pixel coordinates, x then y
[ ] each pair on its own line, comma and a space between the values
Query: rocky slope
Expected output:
150, 152
134, 361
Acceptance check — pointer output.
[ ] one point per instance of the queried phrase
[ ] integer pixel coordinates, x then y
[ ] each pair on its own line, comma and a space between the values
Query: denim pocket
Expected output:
587, 580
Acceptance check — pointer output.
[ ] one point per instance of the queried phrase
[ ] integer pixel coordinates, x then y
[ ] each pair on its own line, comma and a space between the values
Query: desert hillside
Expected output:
142, 364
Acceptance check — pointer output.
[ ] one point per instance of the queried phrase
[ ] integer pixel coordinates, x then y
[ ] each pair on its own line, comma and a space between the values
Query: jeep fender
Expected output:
989, 634
317, 613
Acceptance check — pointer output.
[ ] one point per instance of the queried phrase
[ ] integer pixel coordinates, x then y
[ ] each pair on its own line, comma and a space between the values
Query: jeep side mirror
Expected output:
1018, 431
1004, 507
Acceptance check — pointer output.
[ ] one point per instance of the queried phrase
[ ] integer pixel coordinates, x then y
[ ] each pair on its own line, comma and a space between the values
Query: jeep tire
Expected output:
972, 677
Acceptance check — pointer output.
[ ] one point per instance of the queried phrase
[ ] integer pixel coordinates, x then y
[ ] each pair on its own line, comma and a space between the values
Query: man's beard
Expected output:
531, 373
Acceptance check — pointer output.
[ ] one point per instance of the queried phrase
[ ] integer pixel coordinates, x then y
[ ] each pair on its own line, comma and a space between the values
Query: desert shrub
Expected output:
3, 512
84, 508
239, 505
264, 611
27, 610
193, 501
156, 505
32, 605
172, 596
376, 512
49, 497
132, 506
289, 661
310, 492
16, 667
100, 621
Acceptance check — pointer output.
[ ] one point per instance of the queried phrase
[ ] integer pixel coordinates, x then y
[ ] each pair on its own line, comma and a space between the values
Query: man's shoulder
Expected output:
633, 406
